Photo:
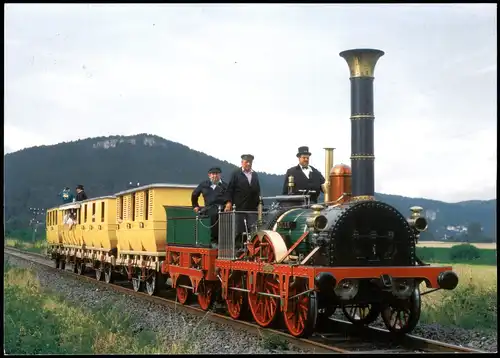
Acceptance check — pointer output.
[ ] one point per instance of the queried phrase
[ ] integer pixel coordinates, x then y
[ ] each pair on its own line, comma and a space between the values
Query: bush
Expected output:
464, 252
426, 253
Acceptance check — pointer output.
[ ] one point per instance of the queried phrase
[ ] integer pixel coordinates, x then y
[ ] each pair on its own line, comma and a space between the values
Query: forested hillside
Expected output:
34, 176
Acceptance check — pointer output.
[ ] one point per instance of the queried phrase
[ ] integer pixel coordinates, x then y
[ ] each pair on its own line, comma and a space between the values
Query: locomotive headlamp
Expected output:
416, 221
317, 222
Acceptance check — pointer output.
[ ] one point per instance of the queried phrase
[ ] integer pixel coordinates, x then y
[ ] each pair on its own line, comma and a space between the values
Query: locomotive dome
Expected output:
341, 169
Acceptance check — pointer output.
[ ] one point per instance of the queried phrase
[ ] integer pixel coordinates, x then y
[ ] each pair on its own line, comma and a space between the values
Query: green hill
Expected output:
105, 165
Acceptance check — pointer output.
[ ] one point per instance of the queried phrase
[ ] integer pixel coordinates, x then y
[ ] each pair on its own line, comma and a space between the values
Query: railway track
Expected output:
337, 337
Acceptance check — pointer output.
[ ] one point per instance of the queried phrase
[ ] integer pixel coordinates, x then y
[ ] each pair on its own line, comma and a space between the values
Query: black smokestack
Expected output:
362, 66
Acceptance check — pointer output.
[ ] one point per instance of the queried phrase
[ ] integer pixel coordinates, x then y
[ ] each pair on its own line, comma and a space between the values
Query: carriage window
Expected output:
85, 213
93, 212
79, 216
102, 211
146, 206
121, 207
133, 207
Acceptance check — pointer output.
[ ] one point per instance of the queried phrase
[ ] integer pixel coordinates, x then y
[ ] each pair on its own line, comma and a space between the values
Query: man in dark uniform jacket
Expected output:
305, 176
243, 191
80, 193
213, 190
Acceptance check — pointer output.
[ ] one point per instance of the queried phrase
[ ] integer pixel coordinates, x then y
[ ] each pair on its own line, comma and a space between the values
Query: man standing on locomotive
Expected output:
213, 191
244, 192
305, 176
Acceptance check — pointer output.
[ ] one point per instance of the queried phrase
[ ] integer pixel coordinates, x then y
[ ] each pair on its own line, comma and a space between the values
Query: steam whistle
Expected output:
291, 184
328, 168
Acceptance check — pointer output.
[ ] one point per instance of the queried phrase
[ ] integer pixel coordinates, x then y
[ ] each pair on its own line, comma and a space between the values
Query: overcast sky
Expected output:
264, 79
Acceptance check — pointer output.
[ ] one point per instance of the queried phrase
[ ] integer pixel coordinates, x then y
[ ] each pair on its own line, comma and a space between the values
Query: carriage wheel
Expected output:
151, 282
264, 308
183, 294
136, 281
300, 316
98, 272
237, 301
361, 314
108, 273
205, 296
401, 316
80, 268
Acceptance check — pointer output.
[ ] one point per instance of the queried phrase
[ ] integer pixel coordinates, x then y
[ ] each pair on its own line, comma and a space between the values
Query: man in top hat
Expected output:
213, 191
243, 191
80, 193
305, 176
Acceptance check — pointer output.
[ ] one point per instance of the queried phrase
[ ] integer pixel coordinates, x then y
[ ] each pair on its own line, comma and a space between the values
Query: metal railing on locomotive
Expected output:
228, 223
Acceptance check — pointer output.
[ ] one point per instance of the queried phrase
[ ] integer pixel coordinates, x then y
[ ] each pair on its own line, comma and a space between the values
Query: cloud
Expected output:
265, 79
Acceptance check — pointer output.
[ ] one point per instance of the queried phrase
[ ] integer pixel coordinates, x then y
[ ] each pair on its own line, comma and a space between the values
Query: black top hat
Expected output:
215, 170
248, 157
79, 187
303, 151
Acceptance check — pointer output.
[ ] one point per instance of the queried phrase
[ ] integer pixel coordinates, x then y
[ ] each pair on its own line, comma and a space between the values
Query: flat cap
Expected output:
215, 170
248, 157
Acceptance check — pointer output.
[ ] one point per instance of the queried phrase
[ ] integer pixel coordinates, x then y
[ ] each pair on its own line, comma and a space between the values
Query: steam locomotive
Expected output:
300, 262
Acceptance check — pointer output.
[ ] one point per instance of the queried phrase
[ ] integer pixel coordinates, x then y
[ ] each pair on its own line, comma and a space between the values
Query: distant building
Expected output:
456, 229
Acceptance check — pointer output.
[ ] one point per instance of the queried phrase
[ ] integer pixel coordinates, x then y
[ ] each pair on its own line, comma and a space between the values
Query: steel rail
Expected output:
341, 336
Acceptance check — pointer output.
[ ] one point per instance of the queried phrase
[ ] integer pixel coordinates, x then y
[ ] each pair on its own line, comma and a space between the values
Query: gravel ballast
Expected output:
213, 337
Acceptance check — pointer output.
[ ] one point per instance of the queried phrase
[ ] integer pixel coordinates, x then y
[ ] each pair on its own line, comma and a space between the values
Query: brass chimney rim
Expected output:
361, 50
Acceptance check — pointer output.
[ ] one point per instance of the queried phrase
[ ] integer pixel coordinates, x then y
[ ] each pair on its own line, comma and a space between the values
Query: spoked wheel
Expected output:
136, 281
264, 308
300, 316
151, 282
108, 273
401, 316
266, 246
237, 301
205, 295
183, 294
361, 314
80, 268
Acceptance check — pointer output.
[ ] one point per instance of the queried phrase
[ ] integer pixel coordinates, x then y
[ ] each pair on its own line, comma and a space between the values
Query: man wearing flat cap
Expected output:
213, 191
305, 176
243, 191
80, 193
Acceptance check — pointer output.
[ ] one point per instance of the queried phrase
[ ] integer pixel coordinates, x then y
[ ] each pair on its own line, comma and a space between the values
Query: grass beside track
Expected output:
38, 246
472, 305
40, 322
